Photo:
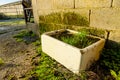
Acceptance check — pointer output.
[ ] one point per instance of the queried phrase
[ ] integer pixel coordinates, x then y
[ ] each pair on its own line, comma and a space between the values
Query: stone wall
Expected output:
103, 14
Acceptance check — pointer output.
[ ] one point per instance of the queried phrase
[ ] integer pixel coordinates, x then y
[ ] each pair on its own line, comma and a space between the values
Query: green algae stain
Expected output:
72, 18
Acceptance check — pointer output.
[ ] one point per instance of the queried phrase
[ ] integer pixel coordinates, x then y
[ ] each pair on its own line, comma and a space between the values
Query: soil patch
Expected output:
17, 57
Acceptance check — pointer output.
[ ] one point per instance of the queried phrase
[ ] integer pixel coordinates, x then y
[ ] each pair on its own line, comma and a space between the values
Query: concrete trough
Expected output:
73, 58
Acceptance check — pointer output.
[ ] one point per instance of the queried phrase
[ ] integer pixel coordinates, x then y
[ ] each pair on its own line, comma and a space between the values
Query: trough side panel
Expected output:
63, 53
91, 54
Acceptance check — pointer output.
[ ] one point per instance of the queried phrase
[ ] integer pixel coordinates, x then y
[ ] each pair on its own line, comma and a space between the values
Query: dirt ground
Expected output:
17, 57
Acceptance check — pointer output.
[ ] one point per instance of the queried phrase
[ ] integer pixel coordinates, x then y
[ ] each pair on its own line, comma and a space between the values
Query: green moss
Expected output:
37, 43
110, 59
94, 31
89, 30
1, 61
97, 32
44, 27
72, 18
115, 75
54, 21
42, 18
58, 26
26, 36
49, 69
69, 18
11, 77
53, 18
19, 40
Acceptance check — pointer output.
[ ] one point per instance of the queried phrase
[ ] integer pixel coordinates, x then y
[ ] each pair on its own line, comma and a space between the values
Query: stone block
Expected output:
105, 18
47, 12
33, 27
116, 3
35, 13
44, 4
92, 3
63, 4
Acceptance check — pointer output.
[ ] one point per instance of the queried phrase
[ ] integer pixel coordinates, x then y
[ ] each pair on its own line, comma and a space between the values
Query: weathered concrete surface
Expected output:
46, 12
116, 3
44, 4
63, 4
115, 35
105, 18
33, 27
35, 11
92, 3
54, 4
75, 59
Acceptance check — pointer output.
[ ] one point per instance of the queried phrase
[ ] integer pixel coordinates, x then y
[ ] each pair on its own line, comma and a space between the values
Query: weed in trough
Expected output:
79, 40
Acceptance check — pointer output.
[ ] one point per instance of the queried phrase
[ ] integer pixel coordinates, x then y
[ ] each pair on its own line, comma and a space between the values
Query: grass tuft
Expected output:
1, 61
26, 36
